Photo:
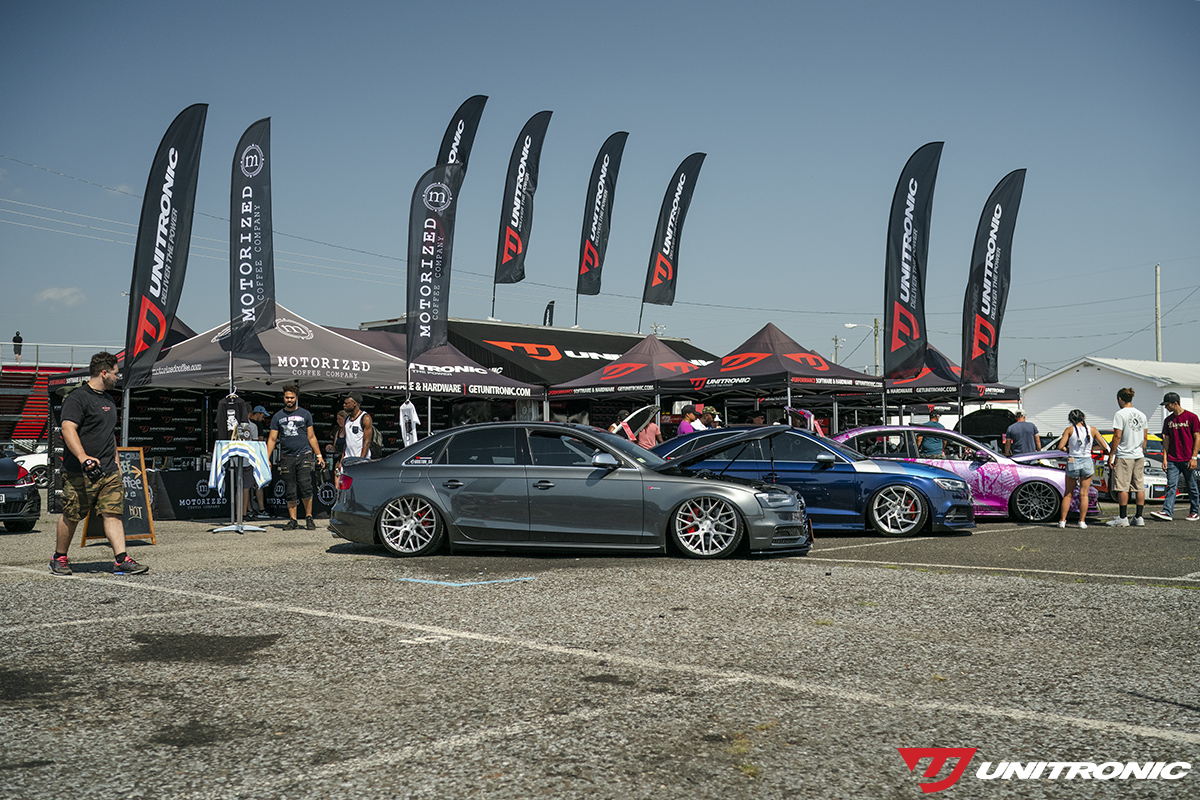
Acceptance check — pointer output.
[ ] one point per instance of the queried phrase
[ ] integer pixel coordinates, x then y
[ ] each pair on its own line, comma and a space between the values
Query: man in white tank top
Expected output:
358, 428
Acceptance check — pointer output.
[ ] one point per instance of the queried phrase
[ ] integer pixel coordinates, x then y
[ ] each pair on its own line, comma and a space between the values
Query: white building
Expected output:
1091, 384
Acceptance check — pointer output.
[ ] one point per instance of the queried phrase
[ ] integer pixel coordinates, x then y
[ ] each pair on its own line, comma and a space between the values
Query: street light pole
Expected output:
876, 329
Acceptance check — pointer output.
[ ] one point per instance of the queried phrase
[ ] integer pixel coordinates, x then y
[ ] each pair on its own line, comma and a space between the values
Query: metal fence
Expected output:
53, 354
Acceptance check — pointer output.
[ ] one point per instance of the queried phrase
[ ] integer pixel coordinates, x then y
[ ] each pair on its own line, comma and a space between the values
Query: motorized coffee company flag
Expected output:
430, 246
905, 336
460, 133
663, 272
597, 213
516, 208
251, 243
163, 240
987, 285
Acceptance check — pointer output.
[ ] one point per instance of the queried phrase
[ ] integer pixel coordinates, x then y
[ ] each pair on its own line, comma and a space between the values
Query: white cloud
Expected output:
70, 296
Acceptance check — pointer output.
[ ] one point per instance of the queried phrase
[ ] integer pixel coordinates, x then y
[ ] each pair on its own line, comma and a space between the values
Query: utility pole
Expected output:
1157, 316
837, 342
1025, 366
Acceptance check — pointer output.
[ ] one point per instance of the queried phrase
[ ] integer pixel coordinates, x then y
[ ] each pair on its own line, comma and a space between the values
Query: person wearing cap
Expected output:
689, 422
708, 415
931, 446
1021, 437
1181, 447
358, 429
758, 418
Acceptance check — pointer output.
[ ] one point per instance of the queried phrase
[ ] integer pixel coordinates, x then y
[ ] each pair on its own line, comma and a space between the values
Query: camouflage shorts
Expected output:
81, 496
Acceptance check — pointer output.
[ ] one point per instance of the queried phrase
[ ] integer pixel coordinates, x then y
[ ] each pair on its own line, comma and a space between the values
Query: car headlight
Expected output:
951, 484
775, 499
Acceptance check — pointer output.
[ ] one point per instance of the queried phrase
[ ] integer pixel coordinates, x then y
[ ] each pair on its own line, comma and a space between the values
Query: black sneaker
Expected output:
309, 525
291, 525
127, 566
59, 566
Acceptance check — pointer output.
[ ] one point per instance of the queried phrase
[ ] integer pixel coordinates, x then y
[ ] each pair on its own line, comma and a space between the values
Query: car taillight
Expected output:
24, 477
344, 482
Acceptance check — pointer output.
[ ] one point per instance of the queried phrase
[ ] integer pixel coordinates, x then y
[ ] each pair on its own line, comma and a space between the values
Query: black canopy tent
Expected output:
639, 371
543, 355
771, 361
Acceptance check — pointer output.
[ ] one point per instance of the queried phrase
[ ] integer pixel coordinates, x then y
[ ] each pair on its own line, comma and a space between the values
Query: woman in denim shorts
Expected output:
1077, 440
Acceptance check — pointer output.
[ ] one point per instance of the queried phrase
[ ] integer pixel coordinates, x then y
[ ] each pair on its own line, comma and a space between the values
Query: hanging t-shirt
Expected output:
231, 412
409, 423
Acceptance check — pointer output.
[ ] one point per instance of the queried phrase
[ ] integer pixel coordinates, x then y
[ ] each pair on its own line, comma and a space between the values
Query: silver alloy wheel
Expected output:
706, 527
410, 526
41, 476
897, 511
1035, 501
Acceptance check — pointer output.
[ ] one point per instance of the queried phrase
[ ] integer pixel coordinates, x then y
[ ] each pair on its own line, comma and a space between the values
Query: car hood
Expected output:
723, 443
910, 468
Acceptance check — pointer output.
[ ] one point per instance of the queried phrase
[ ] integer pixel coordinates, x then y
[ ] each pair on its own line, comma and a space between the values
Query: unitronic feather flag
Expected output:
251, 242
430, 246
163, 239
460, 133
597, 213
516, 207
905, 336
987, 285
663, 272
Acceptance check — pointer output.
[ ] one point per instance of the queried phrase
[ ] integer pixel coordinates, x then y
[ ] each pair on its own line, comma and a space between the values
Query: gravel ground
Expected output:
295, 665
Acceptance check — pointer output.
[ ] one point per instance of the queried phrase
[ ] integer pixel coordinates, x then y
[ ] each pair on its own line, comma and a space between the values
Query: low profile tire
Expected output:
19, 526
897, 510
706, 527
411, 526
1035, 501
41, 477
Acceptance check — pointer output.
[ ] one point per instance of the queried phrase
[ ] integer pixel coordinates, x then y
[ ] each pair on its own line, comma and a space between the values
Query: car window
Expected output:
880, 445
481, 446
551, 449
934, 445
426, 455
793, 447
742, 451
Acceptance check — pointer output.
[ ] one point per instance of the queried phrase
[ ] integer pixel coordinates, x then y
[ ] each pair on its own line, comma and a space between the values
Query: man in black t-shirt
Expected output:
92, 479
292, 430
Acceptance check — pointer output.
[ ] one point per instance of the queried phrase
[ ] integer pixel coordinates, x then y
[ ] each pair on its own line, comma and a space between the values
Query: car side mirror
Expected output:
605, 461
979, 455
826, 459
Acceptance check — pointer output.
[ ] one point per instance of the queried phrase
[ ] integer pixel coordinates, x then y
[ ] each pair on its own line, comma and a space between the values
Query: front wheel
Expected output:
1035, 502
19, 526
411, 526
897, 511
706, 527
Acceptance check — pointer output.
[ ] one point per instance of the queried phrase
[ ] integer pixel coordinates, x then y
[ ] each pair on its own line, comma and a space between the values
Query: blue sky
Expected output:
807, 112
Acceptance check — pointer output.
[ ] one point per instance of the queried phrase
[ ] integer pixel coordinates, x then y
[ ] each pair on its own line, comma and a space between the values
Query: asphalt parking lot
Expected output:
295, 665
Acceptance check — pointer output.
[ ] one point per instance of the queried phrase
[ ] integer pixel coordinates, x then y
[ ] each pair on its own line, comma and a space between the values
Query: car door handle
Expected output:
453, 484
543, 485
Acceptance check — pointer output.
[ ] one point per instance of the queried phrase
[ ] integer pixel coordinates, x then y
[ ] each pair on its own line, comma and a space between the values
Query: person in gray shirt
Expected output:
1021, 437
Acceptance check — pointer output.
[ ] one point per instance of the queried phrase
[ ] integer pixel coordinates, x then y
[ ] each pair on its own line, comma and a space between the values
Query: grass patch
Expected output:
749, 770
822, 622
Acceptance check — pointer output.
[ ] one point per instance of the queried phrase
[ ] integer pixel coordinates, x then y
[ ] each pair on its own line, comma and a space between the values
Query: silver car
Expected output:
545, 485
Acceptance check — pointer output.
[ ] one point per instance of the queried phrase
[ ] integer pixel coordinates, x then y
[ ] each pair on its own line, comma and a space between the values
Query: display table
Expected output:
254, 452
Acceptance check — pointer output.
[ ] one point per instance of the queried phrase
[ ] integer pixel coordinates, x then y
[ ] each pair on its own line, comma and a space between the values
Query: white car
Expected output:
38, 465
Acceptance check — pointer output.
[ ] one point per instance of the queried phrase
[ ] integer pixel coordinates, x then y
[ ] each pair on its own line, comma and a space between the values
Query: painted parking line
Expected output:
472, 583
1195, 576
694, 671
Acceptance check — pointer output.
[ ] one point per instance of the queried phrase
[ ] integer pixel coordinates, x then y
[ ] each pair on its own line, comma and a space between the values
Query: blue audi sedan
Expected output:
842, 489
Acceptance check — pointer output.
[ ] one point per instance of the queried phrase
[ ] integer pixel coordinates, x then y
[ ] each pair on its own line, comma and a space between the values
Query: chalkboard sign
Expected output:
139, 522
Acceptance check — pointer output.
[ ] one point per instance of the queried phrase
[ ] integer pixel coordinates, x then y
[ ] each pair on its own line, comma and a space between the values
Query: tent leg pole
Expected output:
834, 421
429, 415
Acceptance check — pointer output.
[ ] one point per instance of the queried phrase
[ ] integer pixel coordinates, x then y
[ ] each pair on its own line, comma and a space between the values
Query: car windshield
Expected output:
630, 449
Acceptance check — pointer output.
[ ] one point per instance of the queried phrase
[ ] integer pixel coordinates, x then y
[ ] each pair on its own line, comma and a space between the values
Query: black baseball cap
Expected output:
355, 396
1169, 397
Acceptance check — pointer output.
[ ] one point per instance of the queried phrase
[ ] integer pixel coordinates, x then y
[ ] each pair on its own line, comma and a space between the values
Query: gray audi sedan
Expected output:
545, 485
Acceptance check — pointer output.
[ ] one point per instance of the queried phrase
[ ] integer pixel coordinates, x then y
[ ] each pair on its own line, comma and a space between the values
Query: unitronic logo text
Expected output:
989, 265
958, 759
669, 236
903, 322
906, 255
458, 132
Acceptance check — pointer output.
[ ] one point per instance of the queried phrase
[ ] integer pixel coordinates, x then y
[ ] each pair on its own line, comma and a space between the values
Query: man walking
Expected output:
1021, 437
292, 429
17, 342
1127, 459
359, 429
92, 479
1181, 444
